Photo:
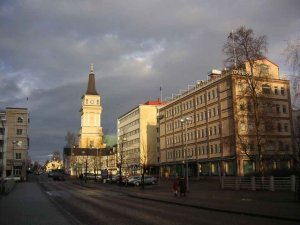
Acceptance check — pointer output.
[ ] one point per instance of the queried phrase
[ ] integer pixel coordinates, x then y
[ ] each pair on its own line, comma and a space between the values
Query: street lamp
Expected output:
185, 121
13, 158
3, 121
86, 161
121, 160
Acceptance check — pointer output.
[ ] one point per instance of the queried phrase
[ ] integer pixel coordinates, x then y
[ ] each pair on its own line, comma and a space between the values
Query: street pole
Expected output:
121, 159
186, 159
3, 121
185, 122
13, 157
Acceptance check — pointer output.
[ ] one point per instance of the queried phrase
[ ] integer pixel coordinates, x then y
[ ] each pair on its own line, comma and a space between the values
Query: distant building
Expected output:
212, 125
87, 155
137, 139
53, 165
14, 142
91, 134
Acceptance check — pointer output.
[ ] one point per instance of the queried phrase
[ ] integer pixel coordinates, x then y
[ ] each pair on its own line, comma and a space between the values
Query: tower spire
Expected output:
91, 89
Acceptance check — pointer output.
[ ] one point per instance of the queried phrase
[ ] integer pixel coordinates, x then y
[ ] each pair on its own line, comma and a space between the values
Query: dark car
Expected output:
58, 174
91, 176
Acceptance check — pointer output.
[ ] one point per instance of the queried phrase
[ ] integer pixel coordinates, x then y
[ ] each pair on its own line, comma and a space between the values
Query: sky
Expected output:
47, 46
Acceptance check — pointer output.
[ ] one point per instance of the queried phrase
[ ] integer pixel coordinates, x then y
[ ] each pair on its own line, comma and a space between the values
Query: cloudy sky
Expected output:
47, 46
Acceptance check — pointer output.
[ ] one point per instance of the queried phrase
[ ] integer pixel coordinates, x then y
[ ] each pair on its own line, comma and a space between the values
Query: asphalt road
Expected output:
92, 206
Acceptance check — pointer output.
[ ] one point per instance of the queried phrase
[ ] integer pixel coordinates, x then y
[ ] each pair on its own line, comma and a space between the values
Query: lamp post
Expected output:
185, 122
13, 157
3, 121
86, 162
121, 160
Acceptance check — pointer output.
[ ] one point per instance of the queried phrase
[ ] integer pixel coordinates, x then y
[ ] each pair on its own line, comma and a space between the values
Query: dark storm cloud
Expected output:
136, 46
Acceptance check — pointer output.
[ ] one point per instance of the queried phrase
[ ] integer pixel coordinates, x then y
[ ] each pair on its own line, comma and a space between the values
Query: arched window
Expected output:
20, 120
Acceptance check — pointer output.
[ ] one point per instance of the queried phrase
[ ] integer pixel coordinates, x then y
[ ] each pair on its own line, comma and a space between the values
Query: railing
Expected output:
260, 183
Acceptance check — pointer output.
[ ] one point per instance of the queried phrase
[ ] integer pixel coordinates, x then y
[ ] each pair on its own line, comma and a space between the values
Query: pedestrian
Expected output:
182, 186
175, 187
81, 178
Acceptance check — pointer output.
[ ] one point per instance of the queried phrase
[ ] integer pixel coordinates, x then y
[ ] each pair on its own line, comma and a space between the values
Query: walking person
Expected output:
175, 187
182, 186
81, 178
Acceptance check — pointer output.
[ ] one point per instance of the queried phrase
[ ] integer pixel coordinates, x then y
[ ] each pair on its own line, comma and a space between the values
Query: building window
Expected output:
268, 126
276, 90
215, 130
242, 107
279, 127
20, 120
18, 155
282, 91
286, 127
19, 131
210, 131
264, 69
284, 109
278, 108
287, 147
213, 94
266, 89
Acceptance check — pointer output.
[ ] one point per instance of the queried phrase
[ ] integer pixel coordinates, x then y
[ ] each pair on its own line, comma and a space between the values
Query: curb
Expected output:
207, 208
216, 209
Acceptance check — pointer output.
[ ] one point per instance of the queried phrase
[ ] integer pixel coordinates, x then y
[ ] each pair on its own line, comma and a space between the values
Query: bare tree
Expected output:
71, 139
243, 50
143, 160
242, 46
292, 53
56, 156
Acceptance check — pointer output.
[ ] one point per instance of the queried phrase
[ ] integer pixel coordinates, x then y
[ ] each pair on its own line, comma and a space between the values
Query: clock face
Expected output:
92, 101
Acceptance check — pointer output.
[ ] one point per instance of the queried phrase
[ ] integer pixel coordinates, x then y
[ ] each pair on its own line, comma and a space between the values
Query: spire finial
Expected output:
92, 68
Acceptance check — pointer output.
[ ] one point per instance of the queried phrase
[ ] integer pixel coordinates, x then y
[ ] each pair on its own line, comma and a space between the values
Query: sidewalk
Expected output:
207, 195
27, 204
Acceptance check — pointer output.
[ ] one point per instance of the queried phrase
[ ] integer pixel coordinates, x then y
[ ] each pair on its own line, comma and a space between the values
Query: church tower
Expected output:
91, 134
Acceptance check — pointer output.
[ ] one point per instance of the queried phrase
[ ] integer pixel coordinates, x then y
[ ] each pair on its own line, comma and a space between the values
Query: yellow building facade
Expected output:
137, 139
91, 134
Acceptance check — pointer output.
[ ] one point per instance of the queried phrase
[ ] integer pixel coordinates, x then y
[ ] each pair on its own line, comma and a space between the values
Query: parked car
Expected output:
50, 173
132, 179
58, 174
91, 176
116, 179
137, 181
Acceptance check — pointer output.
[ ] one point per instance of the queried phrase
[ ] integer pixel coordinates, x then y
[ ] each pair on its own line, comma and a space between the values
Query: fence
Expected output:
260, 183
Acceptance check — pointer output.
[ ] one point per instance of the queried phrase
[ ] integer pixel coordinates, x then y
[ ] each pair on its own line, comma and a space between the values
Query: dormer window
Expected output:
264, 69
